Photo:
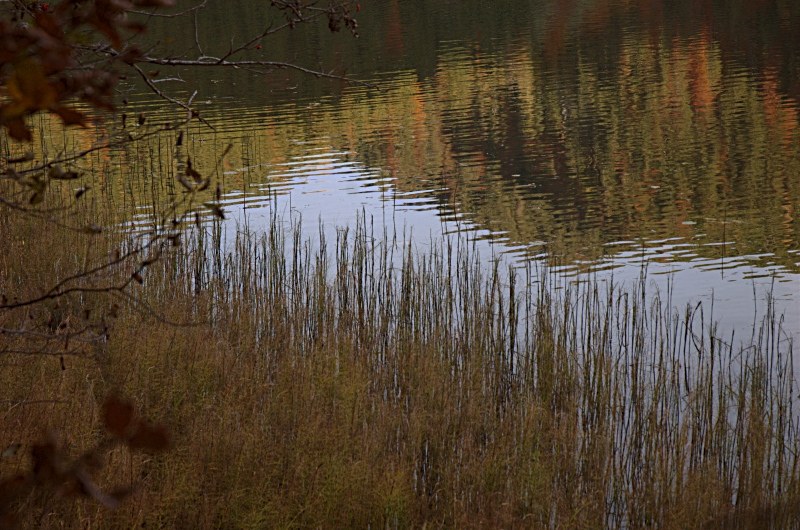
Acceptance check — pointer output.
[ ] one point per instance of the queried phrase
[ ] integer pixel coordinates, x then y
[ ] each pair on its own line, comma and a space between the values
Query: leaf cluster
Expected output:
43, 62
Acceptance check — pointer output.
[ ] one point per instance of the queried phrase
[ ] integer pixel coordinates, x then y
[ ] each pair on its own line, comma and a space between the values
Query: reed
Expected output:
353, 381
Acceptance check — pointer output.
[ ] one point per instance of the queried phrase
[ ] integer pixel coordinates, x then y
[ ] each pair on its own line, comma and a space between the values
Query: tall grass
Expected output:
357, 382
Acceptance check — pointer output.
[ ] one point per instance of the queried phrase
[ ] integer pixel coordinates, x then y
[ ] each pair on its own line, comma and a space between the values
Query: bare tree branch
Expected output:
217, 62
159, 93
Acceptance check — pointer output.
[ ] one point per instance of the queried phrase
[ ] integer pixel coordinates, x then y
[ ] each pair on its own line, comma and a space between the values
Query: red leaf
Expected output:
49, 24
44, 461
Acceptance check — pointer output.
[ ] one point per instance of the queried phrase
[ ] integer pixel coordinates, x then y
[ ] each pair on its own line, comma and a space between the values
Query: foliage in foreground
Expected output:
359, 383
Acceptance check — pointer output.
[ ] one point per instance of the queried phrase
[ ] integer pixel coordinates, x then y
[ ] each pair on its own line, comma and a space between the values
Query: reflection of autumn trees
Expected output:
639, 134
405, 35
674, 136
672, 139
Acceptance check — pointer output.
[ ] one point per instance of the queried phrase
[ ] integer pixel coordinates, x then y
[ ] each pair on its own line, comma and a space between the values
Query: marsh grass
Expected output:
353, 381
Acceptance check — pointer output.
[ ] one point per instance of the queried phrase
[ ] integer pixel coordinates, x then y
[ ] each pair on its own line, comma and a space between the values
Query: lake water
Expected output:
591, 136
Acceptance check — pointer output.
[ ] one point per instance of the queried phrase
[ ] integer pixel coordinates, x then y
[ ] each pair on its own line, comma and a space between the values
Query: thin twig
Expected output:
201, 5
159, 93
67, 353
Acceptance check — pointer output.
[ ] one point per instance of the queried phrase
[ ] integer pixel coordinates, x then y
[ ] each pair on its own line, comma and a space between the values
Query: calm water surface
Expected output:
591, 136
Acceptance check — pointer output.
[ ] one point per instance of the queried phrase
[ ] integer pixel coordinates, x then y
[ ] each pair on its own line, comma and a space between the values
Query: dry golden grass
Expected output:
373, 387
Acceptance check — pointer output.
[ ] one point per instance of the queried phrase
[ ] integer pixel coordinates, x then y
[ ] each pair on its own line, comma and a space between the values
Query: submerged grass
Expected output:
359, 383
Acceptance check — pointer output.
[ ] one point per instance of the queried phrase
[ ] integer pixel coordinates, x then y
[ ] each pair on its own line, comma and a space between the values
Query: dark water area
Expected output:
592, 136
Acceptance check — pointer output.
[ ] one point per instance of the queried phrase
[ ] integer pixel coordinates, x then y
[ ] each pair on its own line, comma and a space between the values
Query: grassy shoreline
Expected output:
373, 386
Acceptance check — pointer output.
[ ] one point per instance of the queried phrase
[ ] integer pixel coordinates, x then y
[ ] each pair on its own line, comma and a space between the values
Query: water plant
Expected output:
355, 381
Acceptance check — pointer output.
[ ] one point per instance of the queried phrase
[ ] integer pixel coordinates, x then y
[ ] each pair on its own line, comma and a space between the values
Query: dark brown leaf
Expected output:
36, 198
18, 130
216, 209
192, 172
36, 183
44, 461
149, 437
186, 184
70, 116
56, 173
117, 416
27, 157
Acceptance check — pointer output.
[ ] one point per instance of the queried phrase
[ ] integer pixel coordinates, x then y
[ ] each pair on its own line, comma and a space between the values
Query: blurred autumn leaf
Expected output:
41, 53
54, 469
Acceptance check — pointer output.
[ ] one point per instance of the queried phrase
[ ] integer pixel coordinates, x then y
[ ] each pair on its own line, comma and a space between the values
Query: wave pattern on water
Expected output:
593, 136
